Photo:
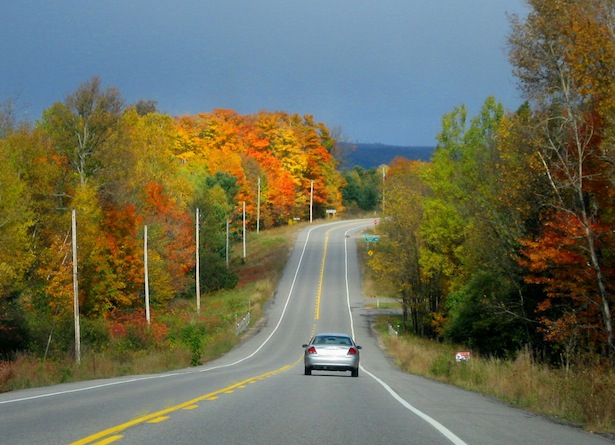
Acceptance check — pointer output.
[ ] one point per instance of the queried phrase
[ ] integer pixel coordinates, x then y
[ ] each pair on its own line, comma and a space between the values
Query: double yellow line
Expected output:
322, 277
322, 270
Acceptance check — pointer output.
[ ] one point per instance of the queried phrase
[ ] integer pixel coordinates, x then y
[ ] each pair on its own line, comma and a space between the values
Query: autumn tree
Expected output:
139, 152
17, 252
121, 168
31, 218
396, 259
171, 241
564, 57
321, 168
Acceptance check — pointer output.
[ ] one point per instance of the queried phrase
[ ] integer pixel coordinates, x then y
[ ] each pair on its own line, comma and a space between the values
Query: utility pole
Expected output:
147, 315
227, 243
198, 266
311, 199
258, 206
244, 231
76, 291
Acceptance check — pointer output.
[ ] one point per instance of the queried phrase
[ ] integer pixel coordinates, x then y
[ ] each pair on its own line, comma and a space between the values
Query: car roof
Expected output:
331, 334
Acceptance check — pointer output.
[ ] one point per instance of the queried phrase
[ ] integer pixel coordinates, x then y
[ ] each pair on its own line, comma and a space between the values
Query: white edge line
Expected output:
437, 425
88, 388
290, 292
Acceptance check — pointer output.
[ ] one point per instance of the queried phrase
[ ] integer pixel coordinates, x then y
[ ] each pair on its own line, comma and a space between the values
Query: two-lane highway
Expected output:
257, 394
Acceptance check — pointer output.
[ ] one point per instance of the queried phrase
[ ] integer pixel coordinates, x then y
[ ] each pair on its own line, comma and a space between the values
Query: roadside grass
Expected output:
585, 396
178, 337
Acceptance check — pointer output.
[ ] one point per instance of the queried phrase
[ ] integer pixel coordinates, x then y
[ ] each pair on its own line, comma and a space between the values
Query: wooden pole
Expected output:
198, 266
147, 314
76, 291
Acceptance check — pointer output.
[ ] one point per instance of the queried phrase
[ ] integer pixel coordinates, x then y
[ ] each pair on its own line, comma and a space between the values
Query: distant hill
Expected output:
375, 155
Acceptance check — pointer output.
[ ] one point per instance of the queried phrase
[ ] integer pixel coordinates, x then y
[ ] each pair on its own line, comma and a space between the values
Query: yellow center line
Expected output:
102, 438
322, 277
322, 270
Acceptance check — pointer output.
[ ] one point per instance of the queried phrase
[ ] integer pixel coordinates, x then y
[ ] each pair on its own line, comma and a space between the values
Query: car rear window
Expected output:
332, 340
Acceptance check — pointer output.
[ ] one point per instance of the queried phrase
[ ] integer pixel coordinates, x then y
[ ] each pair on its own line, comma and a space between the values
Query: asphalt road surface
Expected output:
257, 394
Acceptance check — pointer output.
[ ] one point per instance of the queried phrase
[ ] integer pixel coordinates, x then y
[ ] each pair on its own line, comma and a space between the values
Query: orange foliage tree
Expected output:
171, 244
557, 260
564, 56
287, 153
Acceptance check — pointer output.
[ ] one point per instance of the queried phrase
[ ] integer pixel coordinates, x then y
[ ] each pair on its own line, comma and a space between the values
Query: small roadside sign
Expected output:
462, 356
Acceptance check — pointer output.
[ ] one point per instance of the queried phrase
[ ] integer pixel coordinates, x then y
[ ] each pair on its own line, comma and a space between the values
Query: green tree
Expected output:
215, 204
16, 253
362, 189
81, 125
471, 237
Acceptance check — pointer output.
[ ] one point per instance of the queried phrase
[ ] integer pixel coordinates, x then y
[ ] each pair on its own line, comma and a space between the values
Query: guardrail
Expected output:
243, 324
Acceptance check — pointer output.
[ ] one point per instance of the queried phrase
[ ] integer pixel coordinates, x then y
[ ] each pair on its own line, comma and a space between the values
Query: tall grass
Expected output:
584, 396
178, 337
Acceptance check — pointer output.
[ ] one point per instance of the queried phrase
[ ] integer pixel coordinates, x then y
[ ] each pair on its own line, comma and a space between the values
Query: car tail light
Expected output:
352, 351
311, 350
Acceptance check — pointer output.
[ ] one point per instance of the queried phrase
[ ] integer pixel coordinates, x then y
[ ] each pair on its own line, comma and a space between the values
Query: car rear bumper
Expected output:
332, 363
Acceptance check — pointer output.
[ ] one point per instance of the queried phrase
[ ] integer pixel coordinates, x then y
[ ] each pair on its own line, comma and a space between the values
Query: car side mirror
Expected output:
359, 347
304, 346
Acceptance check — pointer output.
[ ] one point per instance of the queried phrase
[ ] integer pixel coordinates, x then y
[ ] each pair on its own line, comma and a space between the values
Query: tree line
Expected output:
122, 167
506, 239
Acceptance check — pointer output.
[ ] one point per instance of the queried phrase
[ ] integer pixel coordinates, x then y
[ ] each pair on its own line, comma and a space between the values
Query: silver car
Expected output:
331, 352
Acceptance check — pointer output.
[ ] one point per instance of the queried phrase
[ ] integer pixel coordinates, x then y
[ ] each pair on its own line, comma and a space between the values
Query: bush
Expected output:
193, 337
214, 273
475, 322
95, 334
51, 337
131, 332
584, 395
442, 366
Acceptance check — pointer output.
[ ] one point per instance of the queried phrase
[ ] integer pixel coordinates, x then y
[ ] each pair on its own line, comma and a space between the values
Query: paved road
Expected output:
257, 394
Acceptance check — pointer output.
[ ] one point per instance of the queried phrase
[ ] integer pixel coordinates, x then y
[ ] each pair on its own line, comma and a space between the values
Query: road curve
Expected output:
257, 394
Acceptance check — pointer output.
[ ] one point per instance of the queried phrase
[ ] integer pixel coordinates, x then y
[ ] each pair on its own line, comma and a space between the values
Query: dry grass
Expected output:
585, 397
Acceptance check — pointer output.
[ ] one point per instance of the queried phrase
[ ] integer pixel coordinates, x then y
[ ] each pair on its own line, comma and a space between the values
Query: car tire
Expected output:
308, 371
354, 372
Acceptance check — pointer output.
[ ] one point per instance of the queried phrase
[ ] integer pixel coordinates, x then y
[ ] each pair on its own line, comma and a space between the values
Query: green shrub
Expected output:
193, 337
